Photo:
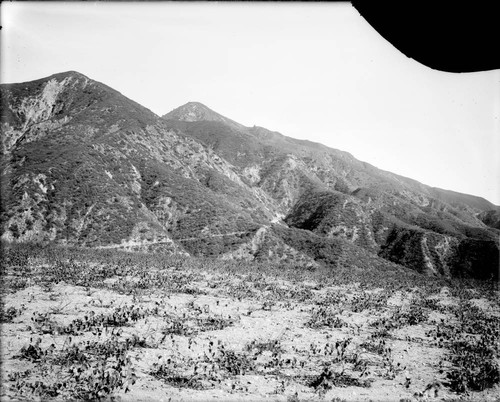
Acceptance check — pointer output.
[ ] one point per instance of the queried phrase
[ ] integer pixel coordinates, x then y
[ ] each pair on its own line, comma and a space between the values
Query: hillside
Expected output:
84, 165
491, 218
330, 193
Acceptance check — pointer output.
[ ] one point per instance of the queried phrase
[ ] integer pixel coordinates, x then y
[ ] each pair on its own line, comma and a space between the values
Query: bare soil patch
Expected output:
78, 325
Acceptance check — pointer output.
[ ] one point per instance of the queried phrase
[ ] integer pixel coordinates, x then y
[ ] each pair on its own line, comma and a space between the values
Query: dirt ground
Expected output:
180, 335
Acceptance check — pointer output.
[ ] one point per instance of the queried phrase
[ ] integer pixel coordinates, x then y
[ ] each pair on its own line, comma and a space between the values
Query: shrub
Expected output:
474, 365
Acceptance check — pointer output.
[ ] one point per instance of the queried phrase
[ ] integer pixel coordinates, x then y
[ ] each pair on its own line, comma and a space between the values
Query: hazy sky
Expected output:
308, 70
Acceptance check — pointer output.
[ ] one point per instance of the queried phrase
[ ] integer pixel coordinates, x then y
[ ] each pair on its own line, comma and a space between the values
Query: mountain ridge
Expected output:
85, 165
173, 115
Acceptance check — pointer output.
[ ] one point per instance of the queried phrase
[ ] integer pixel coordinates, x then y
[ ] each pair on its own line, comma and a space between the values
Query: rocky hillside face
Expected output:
84, 165
491, 218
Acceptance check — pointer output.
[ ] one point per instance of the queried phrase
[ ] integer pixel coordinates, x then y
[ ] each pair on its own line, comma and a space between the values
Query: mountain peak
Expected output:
193, 111
33, 110
196, 105
57, 76
70, 73
196, 111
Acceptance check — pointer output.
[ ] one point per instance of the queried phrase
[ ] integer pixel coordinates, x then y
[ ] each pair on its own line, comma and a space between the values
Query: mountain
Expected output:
82, 164
195, 111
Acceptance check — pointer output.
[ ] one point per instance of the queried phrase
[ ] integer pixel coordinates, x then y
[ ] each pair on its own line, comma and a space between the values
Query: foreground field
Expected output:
81, 324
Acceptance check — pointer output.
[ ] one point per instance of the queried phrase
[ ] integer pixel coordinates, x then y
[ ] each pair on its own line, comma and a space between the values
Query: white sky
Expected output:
317, 71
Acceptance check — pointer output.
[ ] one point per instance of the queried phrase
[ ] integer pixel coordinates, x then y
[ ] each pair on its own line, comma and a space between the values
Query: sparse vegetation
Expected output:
95, 324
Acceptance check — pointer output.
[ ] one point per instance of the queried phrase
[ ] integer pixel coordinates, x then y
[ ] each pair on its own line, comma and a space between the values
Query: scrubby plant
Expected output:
235, 363
473, 349
329, 378
369, 301
9, 314
378, 347
92, 370
258, 347
166, 372
474, 366
410, 315
322, 316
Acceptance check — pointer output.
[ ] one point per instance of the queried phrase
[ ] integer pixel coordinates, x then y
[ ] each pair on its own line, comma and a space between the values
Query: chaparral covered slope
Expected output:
82, 164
